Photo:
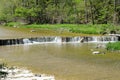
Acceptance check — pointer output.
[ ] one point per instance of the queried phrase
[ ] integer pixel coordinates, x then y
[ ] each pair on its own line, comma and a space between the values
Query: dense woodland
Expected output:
61, 11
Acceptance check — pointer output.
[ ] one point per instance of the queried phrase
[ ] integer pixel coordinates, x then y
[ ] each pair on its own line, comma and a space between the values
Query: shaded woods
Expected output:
61, 11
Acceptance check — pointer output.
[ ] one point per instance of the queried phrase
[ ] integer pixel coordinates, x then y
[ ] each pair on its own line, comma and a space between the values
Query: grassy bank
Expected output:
74, 28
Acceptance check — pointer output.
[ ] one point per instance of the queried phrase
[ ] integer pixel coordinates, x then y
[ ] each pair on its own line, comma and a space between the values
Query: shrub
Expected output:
11, 24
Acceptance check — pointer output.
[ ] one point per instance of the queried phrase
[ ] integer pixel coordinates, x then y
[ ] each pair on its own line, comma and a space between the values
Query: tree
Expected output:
116, 18
61, 11
86, 11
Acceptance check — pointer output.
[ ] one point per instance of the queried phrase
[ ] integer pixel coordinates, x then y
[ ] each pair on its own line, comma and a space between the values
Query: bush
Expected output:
12, 24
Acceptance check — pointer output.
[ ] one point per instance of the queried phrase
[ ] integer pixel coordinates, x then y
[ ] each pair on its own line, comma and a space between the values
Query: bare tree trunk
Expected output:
115, 13
53, 20
59, 20
92, 14
37, 1
86, 12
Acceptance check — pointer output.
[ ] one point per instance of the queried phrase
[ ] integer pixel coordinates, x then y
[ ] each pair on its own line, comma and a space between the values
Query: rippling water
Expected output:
68, 61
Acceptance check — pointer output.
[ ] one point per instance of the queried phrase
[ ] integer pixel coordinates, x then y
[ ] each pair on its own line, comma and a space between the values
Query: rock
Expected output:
32, 30
96, 52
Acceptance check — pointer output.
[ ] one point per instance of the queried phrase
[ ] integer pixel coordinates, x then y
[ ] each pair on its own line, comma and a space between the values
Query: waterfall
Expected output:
103, 39
95, 39
26, 41
59, 39
114, 38
76, 39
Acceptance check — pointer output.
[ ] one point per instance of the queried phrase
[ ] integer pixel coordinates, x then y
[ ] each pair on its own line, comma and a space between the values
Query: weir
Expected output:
58, 39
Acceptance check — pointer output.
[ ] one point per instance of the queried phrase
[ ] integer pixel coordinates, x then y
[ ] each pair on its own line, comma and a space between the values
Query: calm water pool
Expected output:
71, 61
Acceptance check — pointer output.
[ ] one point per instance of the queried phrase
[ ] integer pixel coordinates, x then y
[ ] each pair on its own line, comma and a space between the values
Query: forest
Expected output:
61, 11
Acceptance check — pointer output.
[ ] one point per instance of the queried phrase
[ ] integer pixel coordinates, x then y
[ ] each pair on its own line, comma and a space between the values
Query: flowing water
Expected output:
58, 39
67, 61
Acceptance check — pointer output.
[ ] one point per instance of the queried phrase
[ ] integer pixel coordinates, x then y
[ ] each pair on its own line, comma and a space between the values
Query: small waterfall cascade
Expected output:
25, 41
76, 39
58, 39
95, 39
102, 39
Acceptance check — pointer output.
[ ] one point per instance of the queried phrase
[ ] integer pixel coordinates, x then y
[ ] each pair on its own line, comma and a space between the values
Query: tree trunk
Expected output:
114, 16
116, 12
92, 14
37, 2
86, 12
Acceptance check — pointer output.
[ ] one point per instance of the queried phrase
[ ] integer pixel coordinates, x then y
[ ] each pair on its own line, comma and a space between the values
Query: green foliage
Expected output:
12, 24
24, 12
21, 12
113, 46
61, 11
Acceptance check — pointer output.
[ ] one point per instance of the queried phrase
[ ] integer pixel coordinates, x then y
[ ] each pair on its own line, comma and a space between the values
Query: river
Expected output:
67, 61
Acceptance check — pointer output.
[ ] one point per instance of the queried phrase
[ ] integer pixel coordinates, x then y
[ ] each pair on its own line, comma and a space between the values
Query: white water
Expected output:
104, 39
25, 41
23, 74
58, 39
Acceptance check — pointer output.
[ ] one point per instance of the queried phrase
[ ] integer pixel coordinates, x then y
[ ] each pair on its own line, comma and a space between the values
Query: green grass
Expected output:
11, 24
113, 46
74, 28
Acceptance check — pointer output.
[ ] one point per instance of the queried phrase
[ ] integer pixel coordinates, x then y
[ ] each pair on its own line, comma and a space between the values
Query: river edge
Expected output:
21, 73
11, 32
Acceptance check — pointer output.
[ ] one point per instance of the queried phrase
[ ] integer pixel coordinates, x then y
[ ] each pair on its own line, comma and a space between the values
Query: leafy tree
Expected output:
61, 11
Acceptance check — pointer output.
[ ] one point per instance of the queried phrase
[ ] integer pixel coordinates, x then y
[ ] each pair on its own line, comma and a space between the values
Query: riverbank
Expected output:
72, 28
23, 32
